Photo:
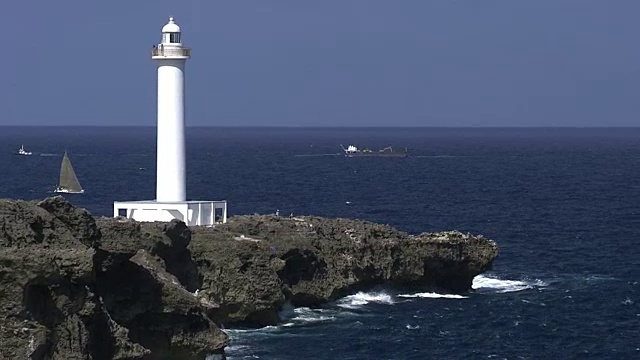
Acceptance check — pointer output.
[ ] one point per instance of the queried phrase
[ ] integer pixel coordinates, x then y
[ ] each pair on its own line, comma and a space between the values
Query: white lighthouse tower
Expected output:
171, 187
171, 57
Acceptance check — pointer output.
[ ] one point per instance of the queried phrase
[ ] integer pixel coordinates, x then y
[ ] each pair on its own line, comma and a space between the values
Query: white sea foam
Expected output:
360, 299
232, 332
482, 282
306, 315
237, 352
237, 348
432, 295
599, 278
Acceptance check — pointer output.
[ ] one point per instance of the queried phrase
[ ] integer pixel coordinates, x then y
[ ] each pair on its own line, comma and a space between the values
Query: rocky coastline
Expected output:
76, 287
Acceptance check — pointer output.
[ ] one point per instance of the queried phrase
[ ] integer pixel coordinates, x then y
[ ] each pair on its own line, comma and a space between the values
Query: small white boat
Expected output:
353, 151
22, 151
69, 183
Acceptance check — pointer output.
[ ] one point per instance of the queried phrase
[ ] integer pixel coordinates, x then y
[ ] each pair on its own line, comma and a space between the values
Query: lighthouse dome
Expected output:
171, 27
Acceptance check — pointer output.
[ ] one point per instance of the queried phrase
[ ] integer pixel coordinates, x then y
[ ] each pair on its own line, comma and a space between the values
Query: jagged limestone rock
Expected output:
72, 287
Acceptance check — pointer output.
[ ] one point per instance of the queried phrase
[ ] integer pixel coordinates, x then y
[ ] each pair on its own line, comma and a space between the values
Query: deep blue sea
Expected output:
562, 203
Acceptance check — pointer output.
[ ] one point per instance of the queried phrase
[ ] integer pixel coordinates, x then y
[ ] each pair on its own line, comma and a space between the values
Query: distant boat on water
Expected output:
353, 151
69, 183
22, 151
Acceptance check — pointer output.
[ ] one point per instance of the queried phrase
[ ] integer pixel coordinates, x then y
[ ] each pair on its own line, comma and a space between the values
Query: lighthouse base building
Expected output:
193, 213
170, 202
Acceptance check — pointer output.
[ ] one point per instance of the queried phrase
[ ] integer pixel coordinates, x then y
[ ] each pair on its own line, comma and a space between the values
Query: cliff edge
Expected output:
75, 287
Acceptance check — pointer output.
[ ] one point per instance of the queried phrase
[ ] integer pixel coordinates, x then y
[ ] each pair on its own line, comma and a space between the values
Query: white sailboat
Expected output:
69, 183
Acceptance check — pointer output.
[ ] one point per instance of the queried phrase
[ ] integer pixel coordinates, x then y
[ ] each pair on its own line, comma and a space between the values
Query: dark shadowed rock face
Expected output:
69, 290
72, 287
51, 223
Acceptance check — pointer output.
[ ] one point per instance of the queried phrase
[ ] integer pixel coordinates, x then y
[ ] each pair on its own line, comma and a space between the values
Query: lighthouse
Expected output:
171, 57
171, 202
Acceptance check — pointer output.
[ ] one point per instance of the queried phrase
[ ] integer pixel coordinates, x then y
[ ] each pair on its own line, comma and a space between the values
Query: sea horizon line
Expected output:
335, 126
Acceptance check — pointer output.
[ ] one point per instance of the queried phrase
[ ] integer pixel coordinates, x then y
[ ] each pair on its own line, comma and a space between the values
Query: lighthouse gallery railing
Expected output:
162, 51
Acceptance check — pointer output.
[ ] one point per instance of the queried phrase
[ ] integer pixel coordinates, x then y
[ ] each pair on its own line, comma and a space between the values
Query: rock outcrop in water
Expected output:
72, 287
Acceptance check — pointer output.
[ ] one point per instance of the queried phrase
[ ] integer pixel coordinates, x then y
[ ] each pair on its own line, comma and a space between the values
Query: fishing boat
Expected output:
22, 151
69, 183
353, 151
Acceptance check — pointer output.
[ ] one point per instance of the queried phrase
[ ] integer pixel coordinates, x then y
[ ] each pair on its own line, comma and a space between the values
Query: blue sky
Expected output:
327, 63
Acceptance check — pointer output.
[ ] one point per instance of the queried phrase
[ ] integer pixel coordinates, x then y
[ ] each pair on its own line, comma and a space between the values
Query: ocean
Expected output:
562, 204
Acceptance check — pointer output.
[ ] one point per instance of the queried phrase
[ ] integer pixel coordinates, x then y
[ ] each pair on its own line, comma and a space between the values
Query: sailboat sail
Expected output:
68, 181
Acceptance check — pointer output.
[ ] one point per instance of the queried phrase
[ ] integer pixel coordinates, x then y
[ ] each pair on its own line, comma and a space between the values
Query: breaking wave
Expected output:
486, 283
362, 298
432, 295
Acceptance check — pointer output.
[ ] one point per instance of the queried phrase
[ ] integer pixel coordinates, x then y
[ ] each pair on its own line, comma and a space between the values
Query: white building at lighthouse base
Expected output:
193, 213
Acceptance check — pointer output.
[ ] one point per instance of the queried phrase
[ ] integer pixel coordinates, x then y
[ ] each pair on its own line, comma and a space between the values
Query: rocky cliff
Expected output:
72, 287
